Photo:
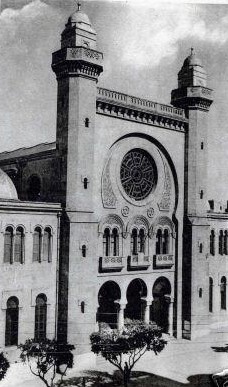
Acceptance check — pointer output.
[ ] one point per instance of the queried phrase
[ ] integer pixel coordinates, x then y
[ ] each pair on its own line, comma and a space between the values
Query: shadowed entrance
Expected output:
136, 291
160, 305
108, 308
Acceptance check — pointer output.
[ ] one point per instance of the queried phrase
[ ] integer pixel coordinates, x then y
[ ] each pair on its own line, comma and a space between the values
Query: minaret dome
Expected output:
192, 72
78, 31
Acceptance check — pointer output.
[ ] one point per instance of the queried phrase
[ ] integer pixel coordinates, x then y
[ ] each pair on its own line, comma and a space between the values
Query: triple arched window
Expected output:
111, 242
138, 237
163, 241
14, 245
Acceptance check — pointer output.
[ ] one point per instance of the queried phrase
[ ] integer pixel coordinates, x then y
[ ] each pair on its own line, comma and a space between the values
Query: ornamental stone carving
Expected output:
150, 212
165, 202
125, 211
108, 196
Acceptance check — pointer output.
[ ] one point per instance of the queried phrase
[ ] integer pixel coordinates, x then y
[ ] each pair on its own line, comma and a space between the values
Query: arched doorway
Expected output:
12, 314
136, 291
108, 308
161, 301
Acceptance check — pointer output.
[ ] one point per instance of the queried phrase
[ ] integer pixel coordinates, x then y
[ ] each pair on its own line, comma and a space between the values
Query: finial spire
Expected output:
79, 5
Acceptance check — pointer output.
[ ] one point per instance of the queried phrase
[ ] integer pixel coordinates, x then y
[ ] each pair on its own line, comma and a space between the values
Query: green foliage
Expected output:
4, 365
123, 349
45, 358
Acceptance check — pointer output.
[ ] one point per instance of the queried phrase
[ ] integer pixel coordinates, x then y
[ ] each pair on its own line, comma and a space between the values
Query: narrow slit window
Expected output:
87, 122
84, 251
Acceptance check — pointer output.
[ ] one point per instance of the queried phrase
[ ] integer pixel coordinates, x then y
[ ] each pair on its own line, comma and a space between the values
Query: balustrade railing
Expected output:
136, 102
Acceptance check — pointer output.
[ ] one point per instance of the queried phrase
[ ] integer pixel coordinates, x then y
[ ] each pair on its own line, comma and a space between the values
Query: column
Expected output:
171, 304
96, 325
121, 317
147, 311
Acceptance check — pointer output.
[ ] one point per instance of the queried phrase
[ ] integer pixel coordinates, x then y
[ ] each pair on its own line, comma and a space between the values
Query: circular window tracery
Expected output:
138, 174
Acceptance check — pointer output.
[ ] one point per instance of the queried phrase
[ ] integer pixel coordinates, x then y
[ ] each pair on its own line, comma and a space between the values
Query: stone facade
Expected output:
136, 238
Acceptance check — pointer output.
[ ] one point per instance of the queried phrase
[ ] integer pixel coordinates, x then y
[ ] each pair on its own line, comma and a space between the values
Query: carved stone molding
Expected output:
139, 116
110, 221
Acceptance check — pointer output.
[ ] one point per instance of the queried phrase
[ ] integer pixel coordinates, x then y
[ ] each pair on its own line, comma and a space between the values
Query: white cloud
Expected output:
155, 35
27, 38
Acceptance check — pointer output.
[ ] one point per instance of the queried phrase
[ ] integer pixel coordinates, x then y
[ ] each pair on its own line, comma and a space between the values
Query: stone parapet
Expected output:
132, 108
77, 61
195, 96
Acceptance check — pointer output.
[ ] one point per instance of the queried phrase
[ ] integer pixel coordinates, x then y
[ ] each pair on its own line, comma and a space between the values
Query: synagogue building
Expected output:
112, 220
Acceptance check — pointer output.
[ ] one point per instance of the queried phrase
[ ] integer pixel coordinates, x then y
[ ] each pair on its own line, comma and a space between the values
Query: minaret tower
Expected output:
77, 66
194, 96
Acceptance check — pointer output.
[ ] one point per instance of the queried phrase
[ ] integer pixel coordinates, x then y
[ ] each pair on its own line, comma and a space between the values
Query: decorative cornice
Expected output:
77, 61
140, 110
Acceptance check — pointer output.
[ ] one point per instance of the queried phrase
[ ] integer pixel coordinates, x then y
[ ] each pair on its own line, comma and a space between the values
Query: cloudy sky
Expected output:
144, 45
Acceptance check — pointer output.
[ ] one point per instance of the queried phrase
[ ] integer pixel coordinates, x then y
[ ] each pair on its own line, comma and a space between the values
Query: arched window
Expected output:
166, 241
210, 294
34, 188
134, 241
19, 245
159, 242
221, 242
106, 242
115, 242
223, 292
12, 314
212, 242
225, 246
141, 244
47, 244
40, 317
37, 243
8, 245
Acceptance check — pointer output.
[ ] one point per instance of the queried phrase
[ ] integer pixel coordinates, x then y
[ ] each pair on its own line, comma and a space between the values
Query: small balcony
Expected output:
110, 264
163, 261
139, 261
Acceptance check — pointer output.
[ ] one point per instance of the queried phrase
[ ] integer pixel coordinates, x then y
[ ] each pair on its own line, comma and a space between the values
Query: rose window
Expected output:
138, 174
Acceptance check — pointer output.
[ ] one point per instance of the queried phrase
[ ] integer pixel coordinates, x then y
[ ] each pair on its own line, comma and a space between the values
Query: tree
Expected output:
47, 358
4, 365
123, 349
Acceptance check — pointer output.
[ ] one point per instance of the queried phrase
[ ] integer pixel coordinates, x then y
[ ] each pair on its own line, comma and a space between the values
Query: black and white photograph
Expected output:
113, 193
